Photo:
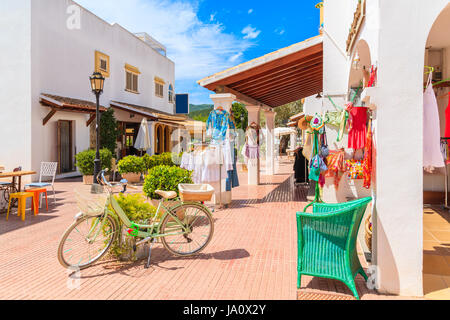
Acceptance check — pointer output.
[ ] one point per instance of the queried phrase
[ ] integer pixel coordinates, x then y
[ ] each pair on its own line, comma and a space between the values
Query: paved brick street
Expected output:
252, 255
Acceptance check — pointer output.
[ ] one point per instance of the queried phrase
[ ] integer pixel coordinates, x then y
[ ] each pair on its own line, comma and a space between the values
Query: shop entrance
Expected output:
65, 146
436, 223
129, 132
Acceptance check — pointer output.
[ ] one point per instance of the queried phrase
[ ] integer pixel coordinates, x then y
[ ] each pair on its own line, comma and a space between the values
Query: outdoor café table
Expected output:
19, 175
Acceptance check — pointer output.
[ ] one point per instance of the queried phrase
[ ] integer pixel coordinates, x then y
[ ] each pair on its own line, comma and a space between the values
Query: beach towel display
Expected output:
355, 169
432, 156
336, 166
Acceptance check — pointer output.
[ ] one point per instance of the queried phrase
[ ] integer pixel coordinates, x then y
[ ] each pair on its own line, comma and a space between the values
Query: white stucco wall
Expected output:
399, 224
62, 60
397, 47
15, 84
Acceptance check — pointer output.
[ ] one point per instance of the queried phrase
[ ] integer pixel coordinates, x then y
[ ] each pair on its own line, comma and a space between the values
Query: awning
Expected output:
278, 78
59, 103
156, 115
138, 110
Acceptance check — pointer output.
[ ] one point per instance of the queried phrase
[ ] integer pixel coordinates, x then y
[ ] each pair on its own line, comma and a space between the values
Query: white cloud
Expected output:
280, 31
250, 11
198, 49
250, 32
212, 17
236, 56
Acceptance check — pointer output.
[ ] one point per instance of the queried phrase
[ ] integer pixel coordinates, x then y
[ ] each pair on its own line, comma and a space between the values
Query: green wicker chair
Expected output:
327, 242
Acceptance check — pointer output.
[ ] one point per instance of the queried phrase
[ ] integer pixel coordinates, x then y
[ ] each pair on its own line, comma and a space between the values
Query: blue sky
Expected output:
207, 36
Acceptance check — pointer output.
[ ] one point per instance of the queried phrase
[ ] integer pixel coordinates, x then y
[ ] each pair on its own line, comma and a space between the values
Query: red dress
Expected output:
358, 128
447, 119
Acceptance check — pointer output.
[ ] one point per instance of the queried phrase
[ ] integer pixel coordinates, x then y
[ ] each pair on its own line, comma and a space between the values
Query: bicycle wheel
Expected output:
76, 250
201, 225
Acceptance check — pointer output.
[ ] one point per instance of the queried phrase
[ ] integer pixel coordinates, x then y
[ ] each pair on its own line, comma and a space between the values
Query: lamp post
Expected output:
97, 82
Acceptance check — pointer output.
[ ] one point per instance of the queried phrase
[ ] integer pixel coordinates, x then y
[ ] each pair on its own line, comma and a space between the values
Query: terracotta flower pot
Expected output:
132, 177
88, 180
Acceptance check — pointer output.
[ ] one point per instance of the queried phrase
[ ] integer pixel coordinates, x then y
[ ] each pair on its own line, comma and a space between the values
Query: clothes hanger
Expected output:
430, 70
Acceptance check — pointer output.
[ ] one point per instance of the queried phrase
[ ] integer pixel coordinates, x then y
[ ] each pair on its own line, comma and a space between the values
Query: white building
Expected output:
49, 48
400, 38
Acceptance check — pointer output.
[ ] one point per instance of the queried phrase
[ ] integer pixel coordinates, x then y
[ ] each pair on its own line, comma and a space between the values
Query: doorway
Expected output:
436, 218
65, 146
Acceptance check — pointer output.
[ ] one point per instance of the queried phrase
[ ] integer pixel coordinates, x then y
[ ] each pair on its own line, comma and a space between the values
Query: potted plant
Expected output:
131, 168
85, 163
166, 178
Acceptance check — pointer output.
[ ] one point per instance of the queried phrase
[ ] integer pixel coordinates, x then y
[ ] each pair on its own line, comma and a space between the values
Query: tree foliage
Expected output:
109, 130
240, 115
287, 111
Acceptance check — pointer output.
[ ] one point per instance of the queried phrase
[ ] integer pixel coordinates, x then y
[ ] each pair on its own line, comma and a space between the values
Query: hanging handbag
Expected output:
324, 151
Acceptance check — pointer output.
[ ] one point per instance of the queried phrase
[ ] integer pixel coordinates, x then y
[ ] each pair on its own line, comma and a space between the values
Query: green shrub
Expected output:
85, 161
165, 178
138, 211
165, 159
131, 164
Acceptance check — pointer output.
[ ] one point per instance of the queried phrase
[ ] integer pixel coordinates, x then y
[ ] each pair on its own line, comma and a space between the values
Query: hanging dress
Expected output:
367, 162
447, 119
358, 128
432, 156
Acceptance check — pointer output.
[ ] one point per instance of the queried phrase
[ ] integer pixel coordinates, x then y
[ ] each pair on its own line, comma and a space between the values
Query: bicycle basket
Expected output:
91, 200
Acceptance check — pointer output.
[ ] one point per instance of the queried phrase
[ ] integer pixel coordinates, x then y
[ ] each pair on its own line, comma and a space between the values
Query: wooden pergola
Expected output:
273, 80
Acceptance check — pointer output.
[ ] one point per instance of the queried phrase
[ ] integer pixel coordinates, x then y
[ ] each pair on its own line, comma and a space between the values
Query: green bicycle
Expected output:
185, 228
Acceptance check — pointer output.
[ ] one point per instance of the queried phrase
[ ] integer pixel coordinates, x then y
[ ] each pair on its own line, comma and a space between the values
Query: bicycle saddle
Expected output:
167, 194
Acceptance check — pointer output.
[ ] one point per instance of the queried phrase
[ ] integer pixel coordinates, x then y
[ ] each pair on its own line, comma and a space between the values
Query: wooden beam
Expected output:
277, 101
298, 92
283, 83
283, 70
289, 90
244, 98
287, 76
286, 88
92, 118
49, 116
269, 66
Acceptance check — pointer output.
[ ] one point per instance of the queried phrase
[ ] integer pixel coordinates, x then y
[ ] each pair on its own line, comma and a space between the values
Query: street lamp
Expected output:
97, 82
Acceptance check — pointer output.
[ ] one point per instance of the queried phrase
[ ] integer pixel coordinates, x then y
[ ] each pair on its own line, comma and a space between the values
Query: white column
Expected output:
254, 167
225, 101
270, 143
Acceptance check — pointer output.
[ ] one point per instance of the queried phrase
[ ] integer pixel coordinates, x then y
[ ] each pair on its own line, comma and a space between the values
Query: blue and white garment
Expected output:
219, 121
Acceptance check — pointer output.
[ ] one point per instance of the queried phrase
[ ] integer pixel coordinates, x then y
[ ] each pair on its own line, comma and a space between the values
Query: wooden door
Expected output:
65, 146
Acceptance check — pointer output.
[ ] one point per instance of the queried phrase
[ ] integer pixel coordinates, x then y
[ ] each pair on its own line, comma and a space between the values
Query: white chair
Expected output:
48, 169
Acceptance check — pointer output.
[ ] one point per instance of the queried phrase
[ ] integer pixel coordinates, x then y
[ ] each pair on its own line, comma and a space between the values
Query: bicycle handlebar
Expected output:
123, 182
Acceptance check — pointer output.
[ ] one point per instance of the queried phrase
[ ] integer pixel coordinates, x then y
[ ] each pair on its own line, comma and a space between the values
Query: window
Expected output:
102, 63
159, 87
171, 94
132, 78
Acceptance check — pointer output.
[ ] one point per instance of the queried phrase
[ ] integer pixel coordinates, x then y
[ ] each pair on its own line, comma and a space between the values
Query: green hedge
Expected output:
131, 164
165, 159
165, 178
85, 161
